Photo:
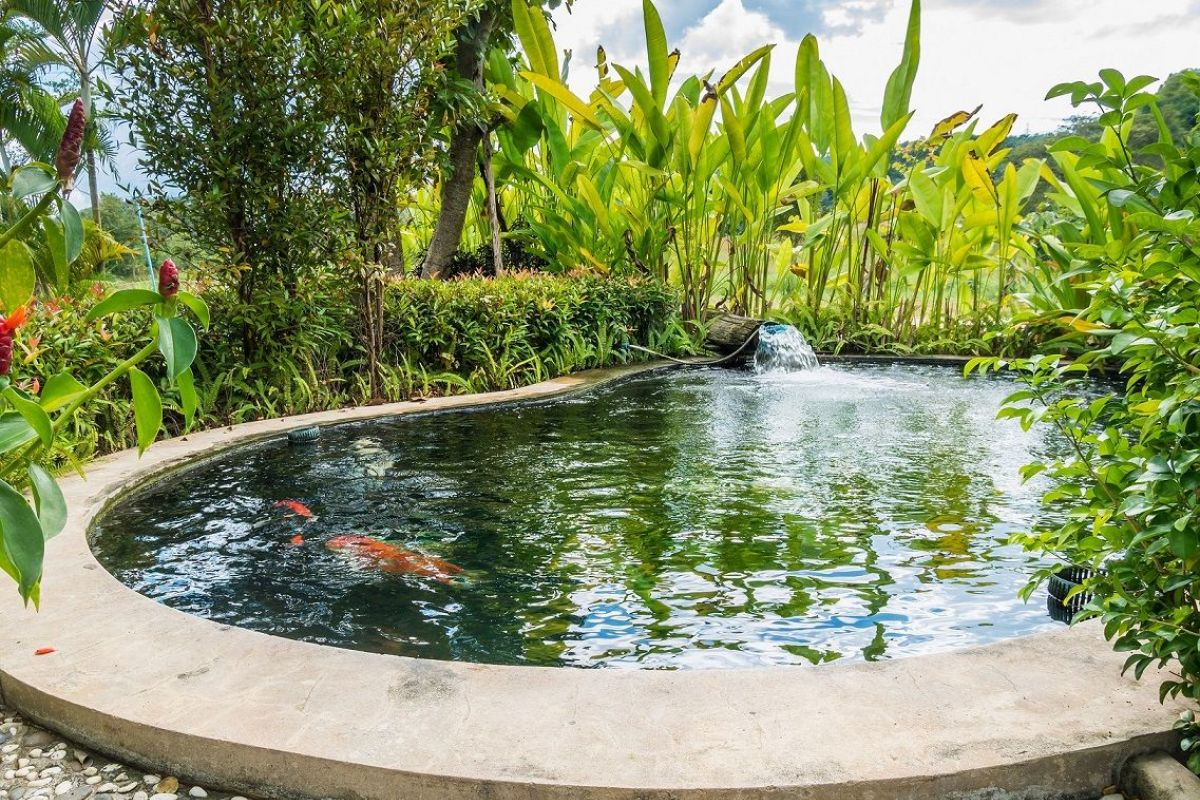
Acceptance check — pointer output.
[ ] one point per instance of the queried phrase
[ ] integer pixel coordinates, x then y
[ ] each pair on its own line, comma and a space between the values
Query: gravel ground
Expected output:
35, 763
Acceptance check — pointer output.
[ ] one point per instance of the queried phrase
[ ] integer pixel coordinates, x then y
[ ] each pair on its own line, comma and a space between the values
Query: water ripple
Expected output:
701, 519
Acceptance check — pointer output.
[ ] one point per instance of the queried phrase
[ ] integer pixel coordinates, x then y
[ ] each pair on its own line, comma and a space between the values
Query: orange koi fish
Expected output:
298, 540
390, 558
296, 507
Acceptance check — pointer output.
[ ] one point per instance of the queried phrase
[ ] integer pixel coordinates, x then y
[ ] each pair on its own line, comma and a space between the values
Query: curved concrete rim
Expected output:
1042, 716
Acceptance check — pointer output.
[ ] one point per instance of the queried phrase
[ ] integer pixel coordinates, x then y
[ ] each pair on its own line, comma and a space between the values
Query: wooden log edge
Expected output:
727, 333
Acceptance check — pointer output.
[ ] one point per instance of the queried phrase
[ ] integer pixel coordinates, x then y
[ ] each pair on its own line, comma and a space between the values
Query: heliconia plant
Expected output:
763, 205
33, 414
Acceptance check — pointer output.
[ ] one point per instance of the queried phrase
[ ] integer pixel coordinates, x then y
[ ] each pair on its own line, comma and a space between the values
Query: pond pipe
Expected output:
709, 363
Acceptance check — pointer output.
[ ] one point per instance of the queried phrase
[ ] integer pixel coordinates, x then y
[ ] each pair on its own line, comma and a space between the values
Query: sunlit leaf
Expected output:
147, 408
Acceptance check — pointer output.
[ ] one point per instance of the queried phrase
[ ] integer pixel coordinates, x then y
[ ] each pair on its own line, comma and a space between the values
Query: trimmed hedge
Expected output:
441, 337
502, 332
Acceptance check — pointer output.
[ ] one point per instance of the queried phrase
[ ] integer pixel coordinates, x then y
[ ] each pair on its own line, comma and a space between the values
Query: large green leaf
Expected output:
56, 243
60, 390
72, 231
573, 103
14, 431
536, 40
33, 413
17, 276
656, 48
49, 503
926, 195
177, 343
741, 68
197, 306
845, 144
147, 408
645, 103
123, 300
32, 179
23, 541
898, 95
188, 399
735, 132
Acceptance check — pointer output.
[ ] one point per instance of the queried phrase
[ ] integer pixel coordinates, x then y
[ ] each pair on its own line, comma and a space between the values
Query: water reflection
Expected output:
689, 520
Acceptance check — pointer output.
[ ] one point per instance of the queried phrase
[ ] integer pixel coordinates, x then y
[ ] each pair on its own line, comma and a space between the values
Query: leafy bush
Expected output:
501, 333
1130, 490
441, 337
37, 414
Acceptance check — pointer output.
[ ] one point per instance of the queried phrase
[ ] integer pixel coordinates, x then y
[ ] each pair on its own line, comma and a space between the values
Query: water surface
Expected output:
689, 519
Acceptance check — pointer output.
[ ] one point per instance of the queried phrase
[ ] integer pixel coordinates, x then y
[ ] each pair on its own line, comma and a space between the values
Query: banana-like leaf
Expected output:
534, 35
656, 49
950, 124
572, 102
898, 96
730, 78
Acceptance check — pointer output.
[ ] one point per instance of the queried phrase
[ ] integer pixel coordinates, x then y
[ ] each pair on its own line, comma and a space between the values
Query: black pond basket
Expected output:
303, 435
1061, 584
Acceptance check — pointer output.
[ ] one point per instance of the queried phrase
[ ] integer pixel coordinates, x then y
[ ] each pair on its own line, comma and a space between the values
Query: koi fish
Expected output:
44, 651
298, 540
296, 507
390, 558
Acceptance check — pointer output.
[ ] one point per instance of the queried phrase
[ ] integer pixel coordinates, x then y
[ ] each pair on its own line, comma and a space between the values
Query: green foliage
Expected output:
279, 190
441, 337
201, 88
769, 206
507, 332
1130, 489
36, 418
30, 120
71, 39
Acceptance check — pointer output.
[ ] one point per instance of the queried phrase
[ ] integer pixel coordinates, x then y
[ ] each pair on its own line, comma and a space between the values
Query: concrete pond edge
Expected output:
1042, 716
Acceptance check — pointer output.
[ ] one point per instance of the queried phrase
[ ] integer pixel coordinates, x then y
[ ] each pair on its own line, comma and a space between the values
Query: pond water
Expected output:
682, 519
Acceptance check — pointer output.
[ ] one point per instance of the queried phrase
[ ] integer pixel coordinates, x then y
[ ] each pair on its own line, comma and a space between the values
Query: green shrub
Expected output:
1129, 492
501, 333
442, 337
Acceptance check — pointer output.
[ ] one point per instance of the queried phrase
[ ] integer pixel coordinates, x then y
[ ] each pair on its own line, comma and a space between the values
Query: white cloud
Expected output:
724, 35
1003, 53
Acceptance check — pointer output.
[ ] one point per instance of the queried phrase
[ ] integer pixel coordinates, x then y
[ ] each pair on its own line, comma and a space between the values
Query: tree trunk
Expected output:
464, 145
493, 205
85, 91
93, 187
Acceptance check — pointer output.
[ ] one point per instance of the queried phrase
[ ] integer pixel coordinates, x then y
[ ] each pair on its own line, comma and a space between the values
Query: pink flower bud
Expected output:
168, 279
71, 147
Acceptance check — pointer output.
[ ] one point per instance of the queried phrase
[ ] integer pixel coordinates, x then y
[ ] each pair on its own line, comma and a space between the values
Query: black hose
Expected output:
710, 363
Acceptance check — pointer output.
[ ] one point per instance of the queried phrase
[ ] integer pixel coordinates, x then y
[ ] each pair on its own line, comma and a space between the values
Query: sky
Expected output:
1004, 54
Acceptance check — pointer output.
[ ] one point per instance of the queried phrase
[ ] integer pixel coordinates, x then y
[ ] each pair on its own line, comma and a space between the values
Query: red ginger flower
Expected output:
71, 148
8, 326
168, 279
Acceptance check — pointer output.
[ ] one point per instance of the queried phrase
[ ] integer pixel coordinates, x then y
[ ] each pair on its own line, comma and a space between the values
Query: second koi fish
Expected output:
390, 558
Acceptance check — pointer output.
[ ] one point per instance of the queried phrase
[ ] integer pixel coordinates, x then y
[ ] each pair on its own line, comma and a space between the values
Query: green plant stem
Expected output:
117, 372
33, 449
20, 226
